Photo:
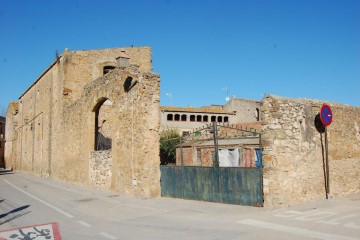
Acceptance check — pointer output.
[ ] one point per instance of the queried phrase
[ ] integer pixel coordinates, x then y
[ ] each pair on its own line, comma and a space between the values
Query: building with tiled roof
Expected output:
186, 119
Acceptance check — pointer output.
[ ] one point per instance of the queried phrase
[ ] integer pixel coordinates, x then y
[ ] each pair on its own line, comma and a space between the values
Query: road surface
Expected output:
52, 209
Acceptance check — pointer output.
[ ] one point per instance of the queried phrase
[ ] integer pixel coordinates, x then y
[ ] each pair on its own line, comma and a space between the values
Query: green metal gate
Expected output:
233, 185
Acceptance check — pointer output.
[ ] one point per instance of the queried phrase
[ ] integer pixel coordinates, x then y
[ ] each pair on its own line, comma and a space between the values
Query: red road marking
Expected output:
39, 231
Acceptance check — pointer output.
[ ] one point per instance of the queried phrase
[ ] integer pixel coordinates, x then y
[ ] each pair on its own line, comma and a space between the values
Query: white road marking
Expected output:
294, 230
335, 221
315, 216
108, 236
85, 224
289, 214
351, 225
319, 217
42, 201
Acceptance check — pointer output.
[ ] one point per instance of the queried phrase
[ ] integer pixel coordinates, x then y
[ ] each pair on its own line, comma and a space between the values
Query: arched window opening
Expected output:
169, 117
183, 118
257, 114
213, 118
177, 117
103, 125
226, 119
205, 118
198, 118
219, 119
108, 69
192, 118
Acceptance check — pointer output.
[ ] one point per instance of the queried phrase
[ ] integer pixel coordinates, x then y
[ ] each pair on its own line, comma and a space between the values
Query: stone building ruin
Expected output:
91, 118
293, 151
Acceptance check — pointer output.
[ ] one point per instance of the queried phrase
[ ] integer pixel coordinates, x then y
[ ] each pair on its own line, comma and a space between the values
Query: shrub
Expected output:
169, 139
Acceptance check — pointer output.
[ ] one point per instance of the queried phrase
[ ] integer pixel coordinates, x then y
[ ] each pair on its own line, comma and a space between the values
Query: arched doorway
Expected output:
102, 131
100, 164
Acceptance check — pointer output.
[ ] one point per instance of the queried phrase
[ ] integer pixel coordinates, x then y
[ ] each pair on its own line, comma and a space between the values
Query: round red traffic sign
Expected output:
326, 115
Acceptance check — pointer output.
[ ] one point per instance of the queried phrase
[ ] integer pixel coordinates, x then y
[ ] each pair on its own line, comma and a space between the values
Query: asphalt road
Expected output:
82, 213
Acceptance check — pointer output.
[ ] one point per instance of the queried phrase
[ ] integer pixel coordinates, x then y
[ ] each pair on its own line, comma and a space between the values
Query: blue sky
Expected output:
299, 49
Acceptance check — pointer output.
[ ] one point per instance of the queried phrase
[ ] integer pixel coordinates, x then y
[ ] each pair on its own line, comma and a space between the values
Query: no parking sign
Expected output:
326, 115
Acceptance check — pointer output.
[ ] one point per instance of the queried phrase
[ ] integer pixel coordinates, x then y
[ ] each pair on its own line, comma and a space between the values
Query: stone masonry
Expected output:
293, 159
100, 169
52, 131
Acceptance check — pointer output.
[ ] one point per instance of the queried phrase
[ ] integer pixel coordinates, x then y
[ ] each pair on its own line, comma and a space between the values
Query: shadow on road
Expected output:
5, 171
14, 211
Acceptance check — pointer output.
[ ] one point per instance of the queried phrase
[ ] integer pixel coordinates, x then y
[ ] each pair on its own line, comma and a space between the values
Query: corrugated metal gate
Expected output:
242, 186
216, 163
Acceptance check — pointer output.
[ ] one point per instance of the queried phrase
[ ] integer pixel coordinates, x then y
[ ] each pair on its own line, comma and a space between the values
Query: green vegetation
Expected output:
169, 139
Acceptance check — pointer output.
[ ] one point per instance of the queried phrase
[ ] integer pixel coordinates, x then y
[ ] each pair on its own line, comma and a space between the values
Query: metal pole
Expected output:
216, 160
181, 152
327, 162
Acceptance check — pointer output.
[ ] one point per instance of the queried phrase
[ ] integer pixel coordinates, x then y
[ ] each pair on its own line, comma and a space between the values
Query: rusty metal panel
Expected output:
242, 186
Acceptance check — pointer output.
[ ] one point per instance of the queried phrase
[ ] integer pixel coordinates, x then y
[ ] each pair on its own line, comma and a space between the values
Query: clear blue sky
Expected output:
299, 49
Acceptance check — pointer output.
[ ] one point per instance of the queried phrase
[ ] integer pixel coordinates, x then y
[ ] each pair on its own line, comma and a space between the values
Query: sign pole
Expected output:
326, 116
327, 164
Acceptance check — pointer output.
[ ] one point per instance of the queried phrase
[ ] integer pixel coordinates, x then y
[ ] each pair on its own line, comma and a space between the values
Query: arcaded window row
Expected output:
196, 118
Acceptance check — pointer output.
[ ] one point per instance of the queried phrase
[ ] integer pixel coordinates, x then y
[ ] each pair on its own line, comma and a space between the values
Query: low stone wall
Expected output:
293, 151
100, 169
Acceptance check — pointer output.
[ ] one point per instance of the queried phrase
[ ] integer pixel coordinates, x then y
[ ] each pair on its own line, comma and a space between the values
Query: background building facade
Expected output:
186, 119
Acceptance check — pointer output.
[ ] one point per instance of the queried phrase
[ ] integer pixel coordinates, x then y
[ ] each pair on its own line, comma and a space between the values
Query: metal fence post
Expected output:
216, 145
181, 153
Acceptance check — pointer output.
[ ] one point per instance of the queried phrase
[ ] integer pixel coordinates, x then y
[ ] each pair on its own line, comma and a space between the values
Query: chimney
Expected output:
123, 60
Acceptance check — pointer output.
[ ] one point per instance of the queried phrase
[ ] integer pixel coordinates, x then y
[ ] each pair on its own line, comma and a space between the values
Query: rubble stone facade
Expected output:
81, 96
293, 151
100, 169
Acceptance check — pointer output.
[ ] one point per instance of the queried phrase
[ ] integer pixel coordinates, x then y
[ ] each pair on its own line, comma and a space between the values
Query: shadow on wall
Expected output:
321, 129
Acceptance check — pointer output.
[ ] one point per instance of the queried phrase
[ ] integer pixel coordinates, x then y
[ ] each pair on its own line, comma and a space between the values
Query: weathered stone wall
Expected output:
100, 169
292, 156
134, 131
82, 67
31, 126
11, 135
55, 124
